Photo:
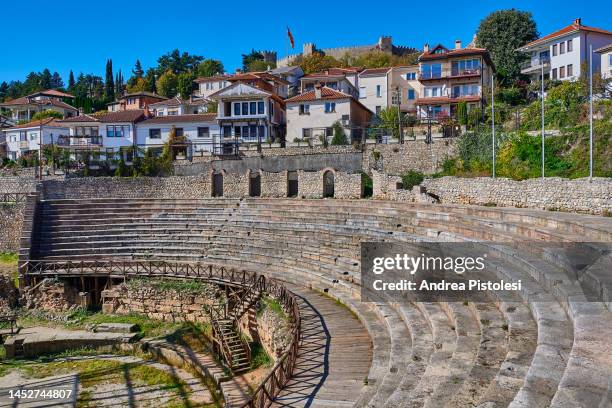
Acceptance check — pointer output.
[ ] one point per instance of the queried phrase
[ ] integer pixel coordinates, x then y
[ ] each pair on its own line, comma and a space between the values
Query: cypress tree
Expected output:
71, 80
109, 84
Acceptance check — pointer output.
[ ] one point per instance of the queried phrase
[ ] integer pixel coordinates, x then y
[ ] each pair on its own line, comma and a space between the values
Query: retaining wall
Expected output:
11, 223
552, 193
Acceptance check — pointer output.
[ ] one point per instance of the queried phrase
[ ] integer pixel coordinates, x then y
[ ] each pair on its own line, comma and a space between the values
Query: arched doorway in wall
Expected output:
217, 184
328, 184
292, 184
254, 184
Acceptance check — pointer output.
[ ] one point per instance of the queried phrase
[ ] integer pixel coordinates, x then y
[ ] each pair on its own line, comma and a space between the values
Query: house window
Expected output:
116, 131
33, 136
330, 107
178, 132
562, 47
204, 131
237, 109
554, 47
172, 112
160, 113
554, 73
245, 108
86, 131
378, 91
411, 76
362, 92
260, 108
154, 133
253, 107
410, 94
304, 109
570, 46
561, 72
570, 70
329, 132
306, 133
431, 71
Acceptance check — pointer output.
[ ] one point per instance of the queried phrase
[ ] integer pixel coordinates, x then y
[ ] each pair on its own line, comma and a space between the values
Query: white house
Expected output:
605, 54
250, 112
380, 88
209, 85
108, 133
178, 106
292, 75
311, 115
23, 139
24, 108
200, 130
562, 53
345, 80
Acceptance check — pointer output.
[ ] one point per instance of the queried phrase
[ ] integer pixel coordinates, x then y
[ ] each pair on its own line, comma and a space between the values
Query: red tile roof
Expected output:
603, 49
211, 79
445, 99
37, 123
575, 26
79, 119
200, 117
463, 52
24, 100
374, 71
249, 76
326, 93
54, 92
177, 101
127, 116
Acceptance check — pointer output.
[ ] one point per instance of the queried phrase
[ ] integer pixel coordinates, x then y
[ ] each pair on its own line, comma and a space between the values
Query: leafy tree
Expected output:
316, 62
339, 135
137, 71
600, 85
411, 178
502, 32
210, 67
71, 81
109, 84
247, 59
150, 80
178, 62
167, 84
45, 79
389, 120
185, 85
260, 65
139, 86
48, 113
378, 59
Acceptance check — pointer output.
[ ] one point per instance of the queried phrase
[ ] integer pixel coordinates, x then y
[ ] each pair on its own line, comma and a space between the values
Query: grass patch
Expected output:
193, 335
273, 305
9, 258
191, 286
259, 357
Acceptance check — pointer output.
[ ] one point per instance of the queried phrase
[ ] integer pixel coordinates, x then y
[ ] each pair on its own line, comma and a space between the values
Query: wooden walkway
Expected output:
334, 358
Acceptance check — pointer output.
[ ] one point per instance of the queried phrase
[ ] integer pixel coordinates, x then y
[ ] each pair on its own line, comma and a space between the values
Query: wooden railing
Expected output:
281, 372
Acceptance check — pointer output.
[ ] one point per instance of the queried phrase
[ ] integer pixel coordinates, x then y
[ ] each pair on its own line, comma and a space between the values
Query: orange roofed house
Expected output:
22, 109
135, 101
562, 53
451, 76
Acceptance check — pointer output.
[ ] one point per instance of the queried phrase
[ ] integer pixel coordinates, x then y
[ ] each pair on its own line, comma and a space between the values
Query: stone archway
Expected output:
328, 183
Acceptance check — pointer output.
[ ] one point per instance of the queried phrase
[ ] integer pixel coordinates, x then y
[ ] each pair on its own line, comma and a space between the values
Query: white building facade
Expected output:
24, 139
201, 131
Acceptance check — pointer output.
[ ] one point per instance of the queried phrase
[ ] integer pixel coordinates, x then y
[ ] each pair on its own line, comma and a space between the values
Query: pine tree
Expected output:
56, 81
45, 79
71, 80
137, 71
109, 84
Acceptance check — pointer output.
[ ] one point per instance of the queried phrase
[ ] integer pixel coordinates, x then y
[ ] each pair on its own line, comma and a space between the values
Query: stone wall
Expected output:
552, 193
269, 327
10, 184
11, 223
347, 185
8, 294
125, 187
52, 295
397, 159
178, 304
274, 184
310, 184
386, 187
235, 185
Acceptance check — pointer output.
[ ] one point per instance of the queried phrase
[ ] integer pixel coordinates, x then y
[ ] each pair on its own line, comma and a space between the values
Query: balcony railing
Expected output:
448, 73
535, 63
464, 72
79, 141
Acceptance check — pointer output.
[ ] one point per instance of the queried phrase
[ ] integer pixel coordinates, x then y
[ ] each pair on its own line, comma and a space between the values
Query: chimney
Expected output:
426, 48
457, 44
318, 90
578, 21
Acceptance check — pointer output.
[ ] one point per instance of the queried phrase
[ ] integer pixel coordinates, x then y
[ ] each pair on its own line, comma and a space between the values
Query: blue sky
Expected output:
81, 35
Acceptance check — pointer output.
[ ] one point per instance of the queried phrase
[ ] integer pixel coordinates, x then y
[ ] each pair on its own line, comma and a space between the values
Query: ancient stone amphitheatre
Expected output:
546, 346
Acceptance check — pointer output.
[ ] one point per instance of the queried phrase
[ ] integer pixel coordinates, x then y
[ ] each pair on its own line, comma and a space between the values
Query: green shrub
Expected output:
411, 179
339, 135
368, 185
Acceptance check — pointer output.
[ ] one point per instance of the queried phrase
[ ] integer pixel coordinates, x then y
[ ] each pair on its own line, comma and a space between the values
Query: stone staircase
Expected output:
547, 346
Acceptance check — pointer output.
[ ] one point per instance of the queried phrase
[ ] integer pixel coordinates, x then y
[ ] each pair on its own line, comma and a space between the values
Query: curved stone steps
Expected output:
422, 347
400, 355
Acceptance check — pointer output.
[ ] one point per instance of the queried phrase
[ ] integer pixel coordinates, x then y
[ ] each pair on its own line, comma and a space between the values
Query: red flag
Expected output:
290, 37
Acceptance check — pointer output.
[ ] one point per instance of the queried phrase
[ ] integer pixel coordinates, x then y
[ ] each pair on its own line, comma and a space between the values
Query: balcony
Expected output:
449, 74
535, 65
79, 141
